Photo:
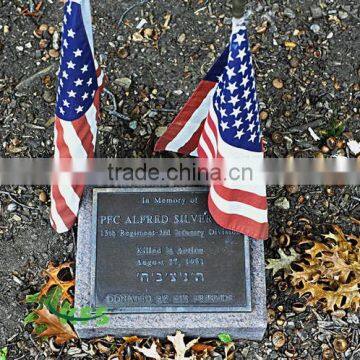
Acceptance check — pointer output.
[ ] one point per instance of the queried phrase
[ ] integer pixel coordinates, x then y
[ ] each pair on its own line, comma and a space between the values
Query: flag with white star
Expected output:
80, 82
229, 130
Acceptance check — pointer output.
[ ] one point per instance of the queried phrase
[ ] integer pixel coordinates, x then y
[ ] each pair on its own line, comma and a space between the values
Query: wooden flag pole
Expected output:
239, 8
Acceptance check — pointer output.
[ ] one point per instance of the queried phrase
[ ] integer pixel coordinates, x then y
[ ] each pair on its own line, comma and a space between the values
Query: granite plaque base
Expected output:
158, 262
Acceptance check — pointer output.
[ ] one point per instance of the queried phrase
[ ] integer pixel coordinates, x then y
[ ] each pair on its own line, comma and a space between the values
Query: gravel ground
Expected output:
316, 83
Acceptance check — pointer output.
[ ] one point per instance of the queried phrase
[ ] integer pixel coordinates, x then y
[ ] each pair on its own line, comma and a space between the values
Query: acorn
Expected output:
271, 316
331, 143
301, 199
340, 345
328, 354
263, 115
284, 240
291, 353
277, 137
43, 43
278, 83
282, 286
329, 191
278, 339
325, 149
341, 144
298, 307
43, 196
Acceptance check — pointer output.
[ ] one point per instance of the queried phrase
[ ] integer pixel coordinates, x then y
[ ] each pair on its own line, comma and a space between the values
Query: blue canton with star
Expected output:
77, 81
235, 99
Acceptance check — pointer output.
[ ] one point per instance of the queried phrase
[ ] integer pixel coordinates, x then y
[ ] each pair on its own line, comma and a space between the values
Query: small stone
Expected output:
38, 54
278, 84
282, 203
160, 130
294, 62
11, 207
123, 82
28, 45
289, 13
20, 48
133, 124
181, 38
49, 96
178, 92
315, 28
316, 12
343, 15
6, 29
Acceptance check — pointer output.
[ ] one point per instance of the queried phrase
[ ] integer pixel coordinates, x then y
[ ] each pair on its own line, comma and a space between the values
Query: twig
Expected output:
14, 200
141, 2
27, 82
114, 111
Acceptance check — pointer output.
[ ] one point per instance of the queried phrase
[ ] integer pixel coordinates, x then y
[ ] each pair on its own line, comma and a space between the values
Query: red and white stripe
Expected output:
183, 134
73, 140
237, 206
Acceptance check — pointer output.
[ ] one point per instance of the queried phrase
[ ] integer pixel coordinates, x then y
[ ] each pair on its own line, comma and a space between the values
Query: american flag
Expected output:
221, 121
80, 82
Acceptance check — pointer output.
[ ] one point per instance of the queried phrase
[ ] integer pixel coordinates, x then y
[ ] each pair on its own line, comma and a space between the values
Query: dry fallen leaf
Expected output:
199, 348
284, 262
54, 328
330, 271
52, 272
180, 347
149, 352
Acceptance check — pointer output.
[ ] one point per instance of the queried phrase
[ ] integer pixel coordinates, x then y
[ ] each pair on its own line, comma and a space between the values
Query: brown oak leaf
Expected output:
54, 328
52, 272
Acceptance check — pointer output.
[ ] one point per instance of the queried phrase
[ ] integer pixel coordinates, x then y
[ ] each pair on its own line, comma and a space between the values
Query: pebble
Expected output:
49, 96
282, 203
123, 82
11, 207
289, 13
315, 28
133, 124
316, 12
19, 48
343, 15
160, 130
181, 38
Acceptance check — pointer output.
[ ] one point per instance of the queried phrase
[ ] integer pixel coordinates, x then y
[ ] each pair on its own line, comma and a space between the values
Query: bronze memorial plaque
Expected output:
159, 250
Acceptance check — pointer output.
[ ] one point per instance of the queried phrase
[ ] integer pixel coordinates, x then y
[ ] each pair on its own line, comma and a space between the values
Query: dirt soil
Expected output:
320, 88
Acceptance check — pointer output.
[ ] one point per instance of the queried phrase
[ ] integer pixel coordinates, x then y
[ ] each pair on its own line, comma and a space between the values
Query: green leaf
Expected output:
85, 312
31, 299
100, 310
225, 338
3, 353
40, 328
30, 318
103, 320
